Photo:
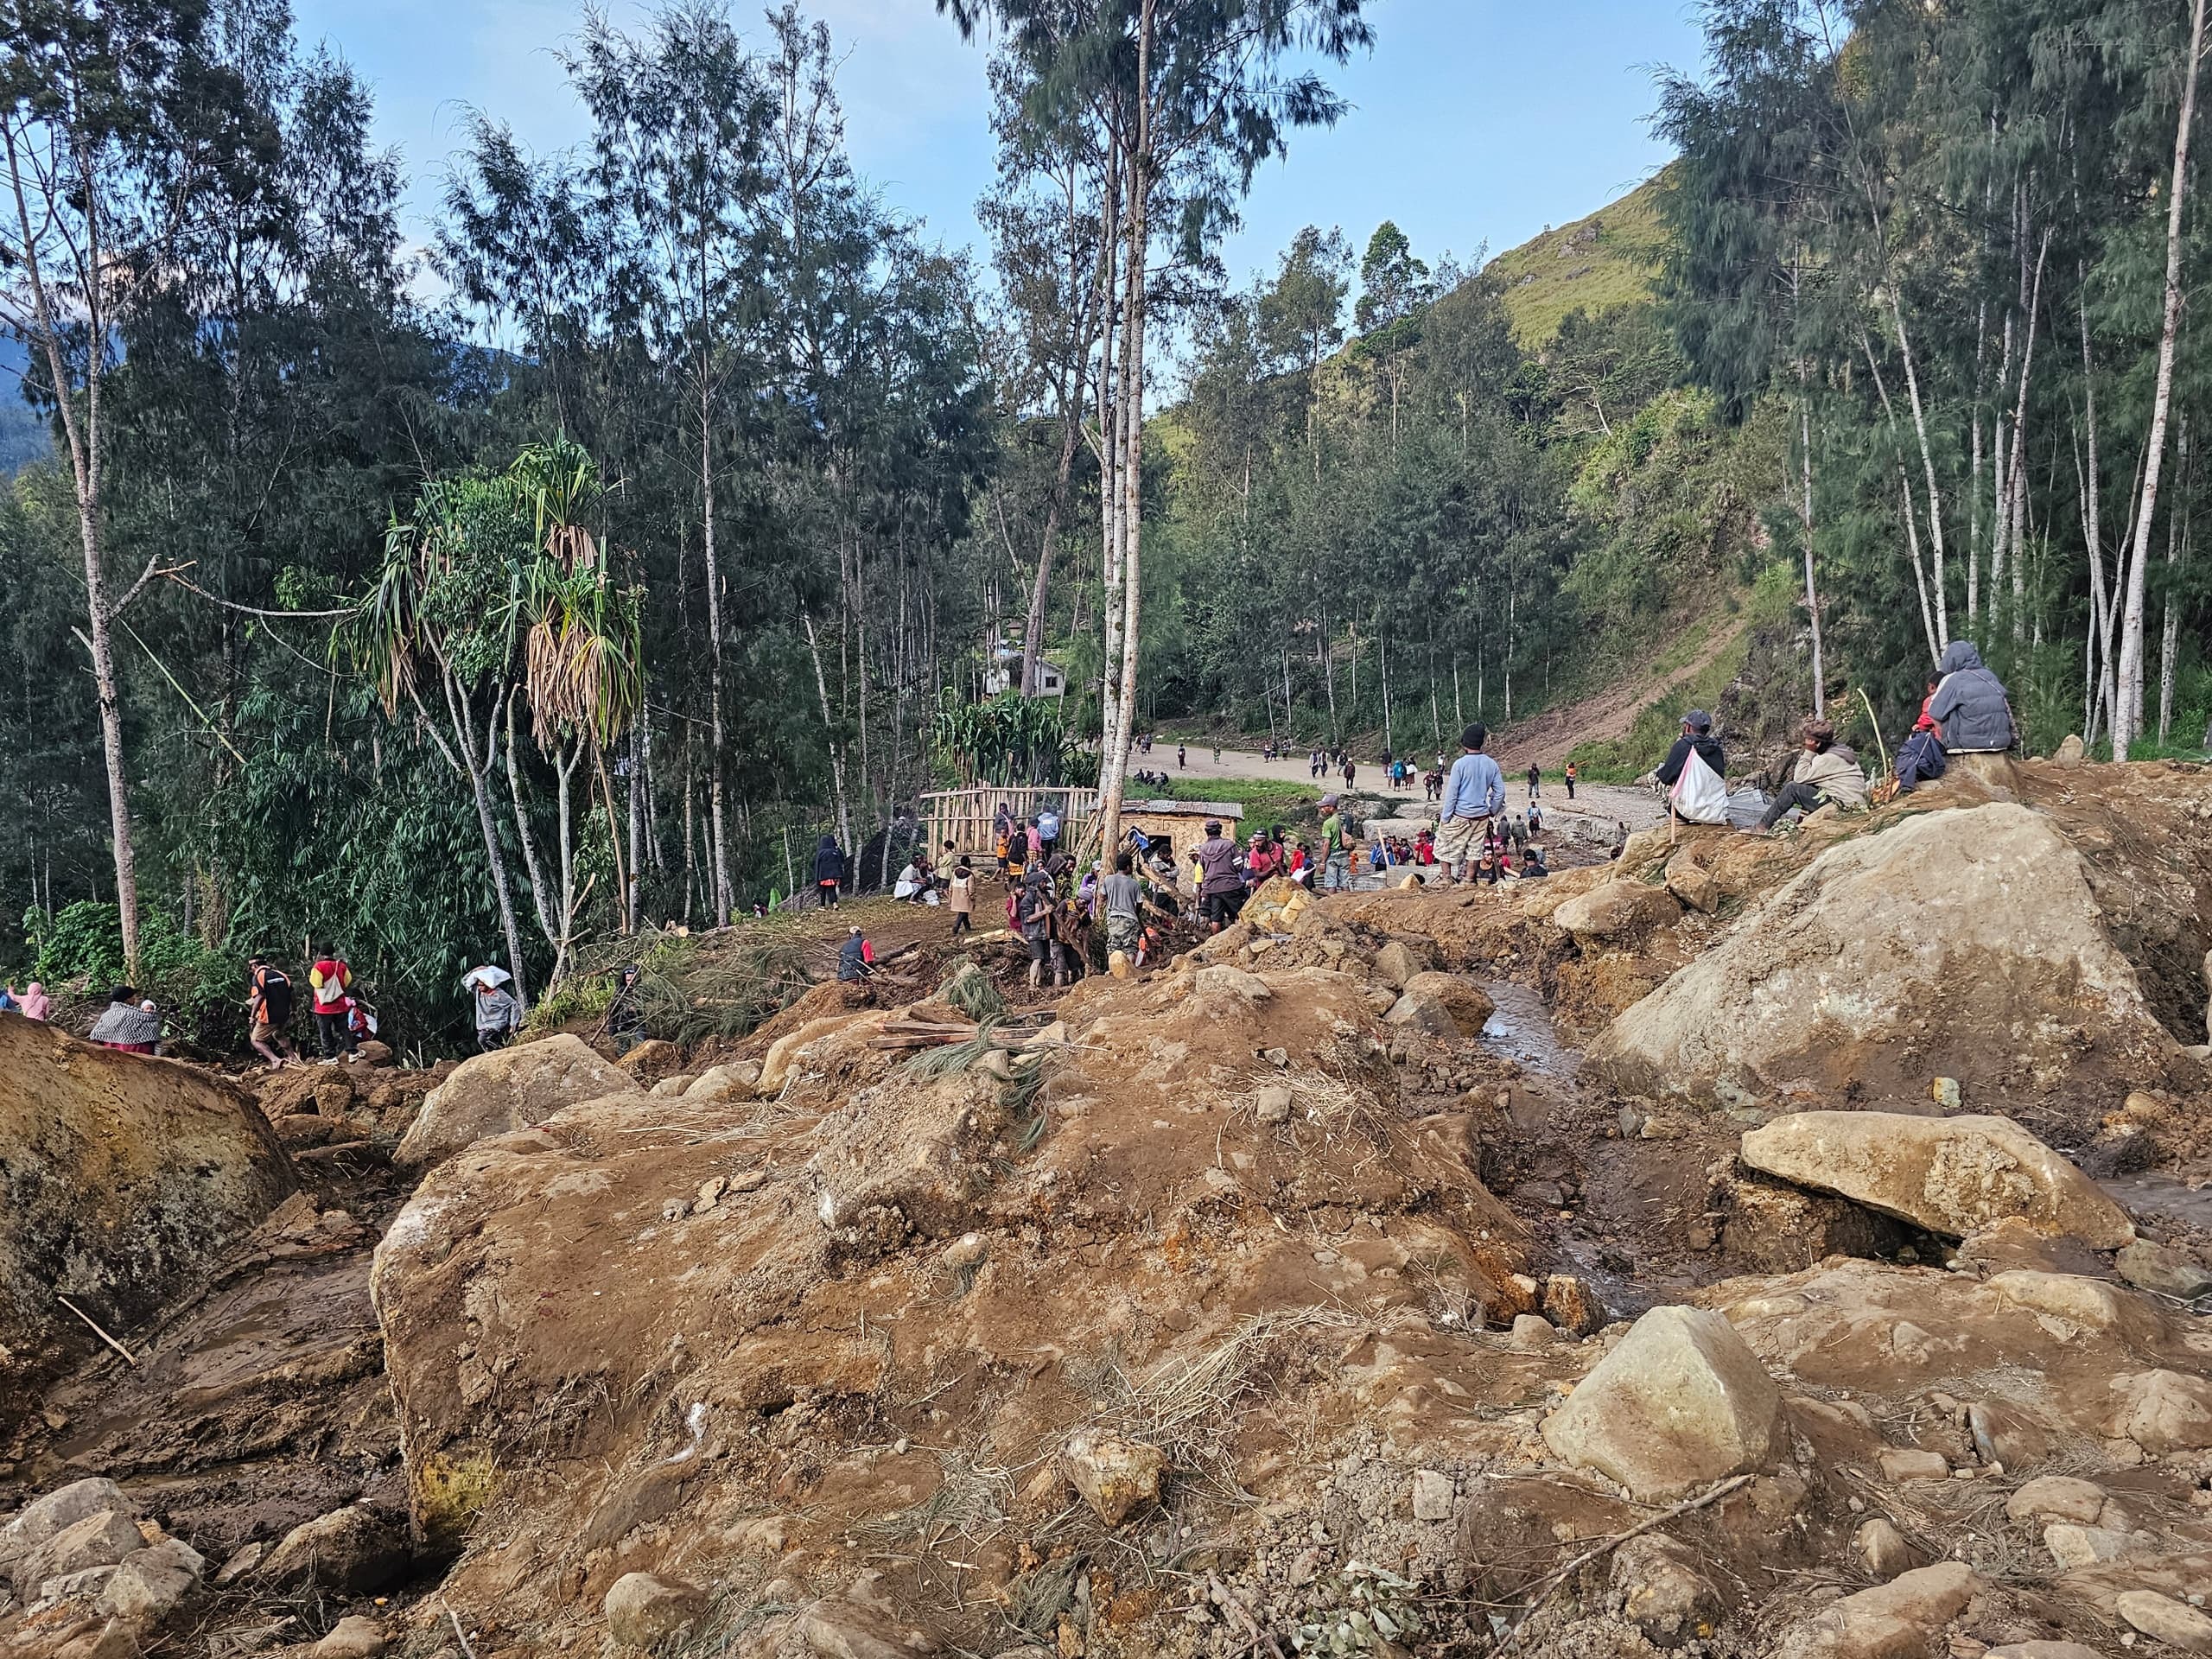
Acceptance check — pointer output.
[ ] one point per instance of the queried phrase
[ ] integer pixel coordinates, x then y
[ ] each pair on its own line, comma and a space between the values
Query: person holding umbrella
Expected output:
498, 1016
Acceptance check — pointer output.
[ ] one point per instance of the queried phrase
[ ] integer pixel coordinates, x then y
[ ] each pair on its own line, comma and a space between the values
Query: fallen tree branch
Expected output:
97, 1332
1604, 1546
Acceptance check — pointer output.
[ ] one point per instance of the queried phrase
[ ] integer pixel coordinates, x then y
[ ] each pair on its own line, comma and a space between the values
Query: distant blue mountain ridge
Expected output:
24, 436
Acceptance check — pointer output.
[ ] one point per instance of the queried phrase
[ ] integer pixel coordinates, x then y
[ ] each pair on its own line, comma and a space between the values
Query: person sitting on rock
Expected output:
1920, 757
125, 1024
1703, 798
1827, 775
1973, 716
1534, 865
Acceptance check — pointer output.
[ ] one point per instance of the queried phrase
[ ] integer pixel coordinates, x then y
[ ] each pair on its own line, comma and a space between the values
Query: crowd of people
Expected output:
1057, 909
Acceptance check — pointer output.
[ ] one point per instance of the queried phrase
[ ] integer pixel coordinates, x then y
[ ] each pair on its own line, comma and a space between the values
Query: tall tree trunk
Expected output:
1805, 526
82, 435
717, 792
641, 746
479, 771
1928, 461
2127, 714
836, 749
2092, 487
1033, 633
2018, 492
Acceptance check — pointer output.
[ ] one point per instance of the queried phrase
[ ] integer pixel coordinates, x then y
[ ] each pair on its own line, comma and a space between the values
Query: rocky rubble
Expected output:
1196, 1328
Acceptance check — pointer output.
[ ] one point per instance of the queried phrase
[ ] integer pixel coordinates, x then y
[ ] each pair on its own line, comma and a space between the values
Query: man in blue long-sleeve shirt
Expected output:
1474, 793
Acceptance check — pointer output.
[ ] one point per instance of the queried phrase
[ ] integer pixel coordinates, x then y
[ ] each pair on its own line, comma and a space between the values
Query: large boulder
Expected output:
1469, 1005
122, 1180
349, 1552
1901, 1619
1619, 910
1964, 943
55, 1513
1680, 1402
506, 1089
1950, 1175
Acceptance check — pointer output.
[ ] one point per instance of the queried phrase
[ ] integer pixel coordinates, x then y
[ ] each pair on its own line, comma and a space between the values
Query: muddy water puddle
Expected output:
1522, 1031
2162, 1195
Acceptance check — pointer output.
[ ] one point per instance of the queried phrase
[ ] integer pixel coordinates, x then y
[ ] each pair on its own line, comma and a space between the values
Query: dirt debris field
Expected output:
1748, 1247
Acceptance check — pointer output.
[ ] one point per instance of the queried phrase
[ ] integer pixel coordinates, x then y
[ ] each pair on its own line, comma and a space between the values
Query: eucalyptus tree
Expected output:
678, 183
1188, 98
1395, 288
1301, 314
100, 106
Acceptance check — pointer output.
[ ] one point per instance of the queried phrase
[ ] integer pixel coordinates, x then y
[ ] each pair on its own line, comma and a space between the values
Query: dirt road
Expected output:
1595, 805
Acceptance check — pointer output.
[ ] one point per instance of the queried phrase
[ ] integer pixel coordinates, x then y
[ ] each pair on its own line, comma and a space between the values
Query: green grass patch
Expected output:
1265, 800
1607, 259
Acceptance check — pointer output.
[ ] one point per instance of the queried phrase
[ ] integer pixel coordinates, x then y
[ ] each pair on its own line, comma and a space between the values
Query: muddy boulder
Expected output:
1617, 912
506, 1089
1468, 1004
1966, 944
1904, 1617
125, 1180
1953, 1176
348, 1552
644, 1610
1680, 1403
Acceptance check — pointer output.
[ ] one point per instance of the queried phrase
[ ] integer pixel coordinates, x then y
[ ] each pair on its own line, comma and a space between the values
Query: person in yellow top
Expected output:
1569, 778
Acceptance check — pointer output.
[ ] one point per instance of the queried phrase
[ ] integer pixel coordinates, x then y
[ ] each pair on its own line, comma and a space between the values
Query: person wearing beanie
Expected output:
1474, 794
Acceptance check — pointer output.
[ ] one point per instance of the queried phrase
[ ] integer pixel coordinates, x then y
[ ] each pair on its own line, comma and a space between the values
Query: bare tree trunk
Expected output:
2127, 714
464, 758
1805, 521
717, 793
836, 749
1928, 461
82, 433
1382, 649
633, 899
1033, 633
2100, 601
2018, 492
1327, 659
1130, 530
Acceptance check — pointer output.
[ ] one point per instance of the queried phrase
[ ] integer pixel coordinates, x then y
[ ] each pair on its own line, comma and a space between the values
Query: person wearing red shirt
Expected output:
330, 980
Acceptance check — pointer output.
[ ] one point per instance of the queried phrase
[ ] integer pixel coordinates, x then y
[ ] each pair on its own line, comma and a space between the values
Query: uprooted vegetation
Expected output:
1261, 1305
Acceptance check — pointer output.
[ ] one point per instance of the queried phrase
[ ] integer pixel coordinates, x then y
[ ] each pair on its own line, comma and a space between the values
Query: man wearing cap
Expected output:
1474, 793
1697, 735
1221, 877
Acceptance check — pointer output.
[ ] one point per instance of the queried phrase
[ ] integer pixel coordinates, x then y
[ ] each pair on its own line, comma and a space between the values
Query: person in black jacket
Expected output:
1697, 734
828, 871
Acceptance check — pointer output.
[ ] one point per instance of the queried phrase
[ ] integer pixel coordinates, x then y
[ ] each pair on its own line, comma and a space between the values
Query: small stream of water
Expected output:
1522, 1031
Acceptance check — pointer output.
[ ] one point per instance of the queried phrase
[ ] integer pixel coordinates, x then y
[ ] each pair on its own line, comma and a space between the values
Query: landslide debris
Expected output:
1304, 1298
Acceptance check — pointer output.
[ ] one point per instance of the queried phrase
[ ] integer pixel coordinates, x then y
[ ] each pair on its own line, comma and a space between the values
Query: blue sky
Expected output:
1475, 121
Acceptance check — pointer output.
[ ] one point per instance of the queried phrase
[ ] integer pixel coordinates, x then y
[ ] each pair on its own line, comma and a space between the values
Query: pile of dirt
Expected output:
1310, 1296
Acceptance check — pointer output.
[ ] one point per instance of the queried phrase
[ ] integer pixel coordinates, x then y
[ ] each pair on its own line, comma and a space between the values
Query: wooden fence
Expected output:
966, 817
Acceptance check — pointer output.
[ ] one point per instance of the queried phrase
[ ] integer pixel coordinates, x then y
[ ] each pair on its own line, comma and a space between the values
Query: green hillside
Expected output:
1608, 258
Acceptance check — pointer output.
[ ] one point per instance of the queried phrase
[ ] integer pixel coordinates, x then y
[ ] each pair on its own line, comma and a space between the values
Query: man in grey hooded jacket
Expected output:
1971, 711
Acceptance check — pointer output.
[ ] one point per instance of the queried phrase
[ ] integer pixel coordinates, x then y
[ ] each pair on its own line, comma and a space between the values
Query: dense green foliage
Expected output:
688, 523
